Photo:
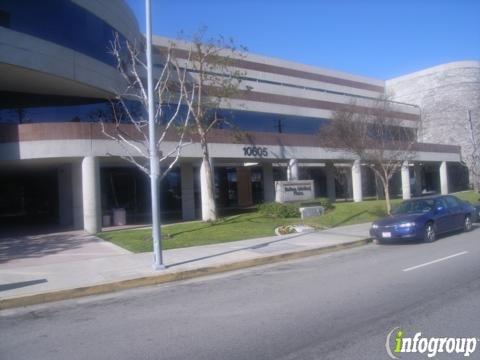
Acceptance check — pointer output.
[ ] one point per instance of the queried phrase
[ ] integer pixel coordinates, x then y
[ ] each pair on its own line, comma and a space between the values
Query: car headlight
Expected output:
374, 226
406, 225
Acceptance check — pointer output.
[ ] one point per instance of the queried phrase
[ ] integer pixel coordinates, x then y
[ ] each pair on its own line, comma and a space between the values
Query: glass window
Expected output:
415, 206
451, 202
441, 203
4, 19
62, 22
19, 108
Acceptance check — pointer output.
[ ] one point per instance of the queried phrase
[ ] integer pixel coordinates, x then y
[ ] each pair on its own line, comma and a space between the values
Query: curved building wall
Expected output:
445, 94
60, 47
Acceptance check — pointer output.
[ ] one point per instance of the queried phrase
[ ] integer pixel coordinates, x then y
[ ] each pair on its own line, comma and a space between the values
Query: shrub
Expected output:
279, 210
291, 210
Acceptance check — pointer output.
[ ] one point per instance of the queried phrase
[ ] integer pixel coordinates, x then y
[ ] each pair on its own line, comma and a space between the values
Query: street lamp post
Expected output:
154, 162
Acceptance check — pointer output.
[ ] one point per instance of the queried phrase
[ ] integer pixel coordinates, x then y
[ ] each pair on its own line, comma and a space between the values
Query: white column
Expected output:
405, 172
92, 217
417, 170
292, 170
443, 178
77, 200
268, 185
330, 172
188, 196
357, 181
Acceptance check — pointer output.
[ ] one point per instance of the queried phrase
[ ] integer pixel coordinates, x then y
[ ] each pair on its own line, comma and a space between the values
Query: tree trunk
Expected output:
386, 188
476, 182
209, 210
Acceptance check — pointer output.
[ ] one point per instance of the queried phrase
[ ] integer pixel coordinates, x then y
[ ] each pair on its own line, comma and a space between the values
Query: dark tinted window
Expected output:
4, 19
62, 22
34, 108
441, 203
266, 122
452, 202
17, 108
415, 206
257, 122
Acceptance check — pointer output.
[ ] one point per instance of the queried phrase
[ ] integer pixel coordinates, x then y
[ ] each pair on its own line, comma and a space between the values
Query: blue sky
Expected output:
375, 38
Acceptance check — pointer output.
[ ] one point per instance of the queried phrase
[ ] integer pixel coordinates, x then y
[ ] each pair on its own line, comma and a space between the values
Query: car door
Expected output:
456, 211
443, 218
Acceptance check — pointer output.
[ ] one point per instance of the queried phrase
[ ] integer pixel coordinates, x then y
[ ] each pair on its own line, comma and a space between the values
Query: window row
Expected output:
62, 22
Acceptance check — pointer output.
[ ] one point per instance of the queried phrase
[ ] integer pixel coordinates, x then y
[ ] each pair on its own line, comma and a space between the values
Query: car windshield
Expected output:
415, 206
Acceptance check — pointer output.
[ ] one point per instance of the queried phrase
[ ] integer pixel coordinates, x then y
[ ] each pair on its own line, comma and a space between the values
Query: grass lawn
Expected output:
231, 228
250, 225
471, 196
349, 213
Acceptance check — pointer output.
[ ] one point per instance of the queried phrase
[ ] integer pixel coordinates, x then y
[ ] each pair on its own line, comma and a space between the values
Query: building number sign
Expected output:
255, 151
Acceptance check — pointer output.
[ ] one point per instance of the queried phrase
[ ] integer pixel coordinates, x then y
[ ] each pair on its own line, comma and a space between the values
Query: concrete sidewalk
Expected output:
26, 285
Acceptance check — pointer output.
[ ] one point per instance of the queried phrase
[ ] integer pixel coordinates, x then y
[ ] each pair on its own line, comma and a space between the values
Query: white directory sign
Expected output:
298, 190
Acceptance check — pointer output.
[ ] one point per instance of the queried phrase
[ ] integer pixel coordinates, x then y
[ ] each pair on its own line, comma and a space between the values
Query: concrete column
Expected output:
268, 184
330, 172
357, 181
405, 173
188, 196
444, 178
65, 194
292, 170
417, 170
348, 190
77, 199
92, 213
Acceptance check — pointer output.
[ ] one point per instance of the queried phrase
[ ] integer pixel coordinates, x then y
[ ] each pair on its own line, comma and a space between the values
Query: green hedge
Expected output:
291, 210
279, 210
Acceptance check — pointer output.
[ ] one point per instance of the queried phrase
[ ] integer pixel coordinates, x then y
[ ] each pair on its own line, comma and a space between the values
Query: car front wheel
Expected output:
429, 234
467, 225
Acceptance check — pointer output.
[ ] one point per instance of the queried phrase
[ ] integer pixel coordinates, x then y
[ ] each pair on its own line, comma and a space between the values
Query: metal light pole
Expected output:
154, 164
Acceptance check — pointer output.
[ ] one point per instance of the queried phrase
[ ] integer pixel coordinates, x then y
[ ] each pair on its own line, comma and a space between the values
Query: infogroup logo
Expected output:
398, 343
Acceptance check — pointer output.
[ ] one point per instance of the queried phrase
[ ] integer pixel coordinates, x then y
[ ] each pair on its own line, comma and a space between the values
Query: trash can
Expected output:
119, 217
107, 220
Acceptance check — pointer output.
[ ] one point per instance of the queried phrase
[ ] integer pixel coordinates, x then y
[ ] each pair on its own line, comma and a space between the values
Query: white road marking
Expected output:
435, 261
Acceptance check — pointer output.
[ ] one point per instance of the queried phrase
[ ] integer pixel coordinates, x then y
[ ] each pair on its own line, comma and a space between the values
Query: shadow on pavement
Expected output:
16, 285
22, 247
253, 247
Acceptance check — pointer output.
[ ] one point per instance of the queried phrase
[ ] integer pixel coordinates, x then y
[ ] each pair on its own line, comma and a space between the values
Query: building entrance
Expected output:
29, 197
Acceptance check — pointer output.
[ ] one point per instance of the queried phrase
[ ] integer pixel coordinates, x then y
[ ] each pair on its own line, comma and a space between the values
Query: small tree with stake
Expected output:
215, 80
128, 125
374, 136
144, 138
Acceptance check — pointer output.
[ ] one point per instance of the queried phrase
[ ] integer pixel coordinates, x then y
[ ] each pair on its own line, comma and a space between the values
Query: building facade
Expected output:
57, 166
449, 98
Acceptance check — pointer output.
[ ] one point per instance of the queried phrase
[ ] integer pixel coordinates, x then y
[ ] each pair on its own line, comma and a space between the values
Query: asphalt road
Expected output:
336, 306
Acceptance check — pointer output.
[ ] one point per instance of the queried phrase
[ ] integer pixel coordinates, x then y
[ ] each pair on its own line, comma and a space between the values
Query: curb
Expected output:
104, 288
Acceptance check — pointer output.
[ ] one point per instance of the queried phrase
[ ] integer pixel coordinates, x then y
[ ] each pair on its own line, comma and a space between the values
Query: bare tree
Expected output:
375, 137
128, 123
215, 80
